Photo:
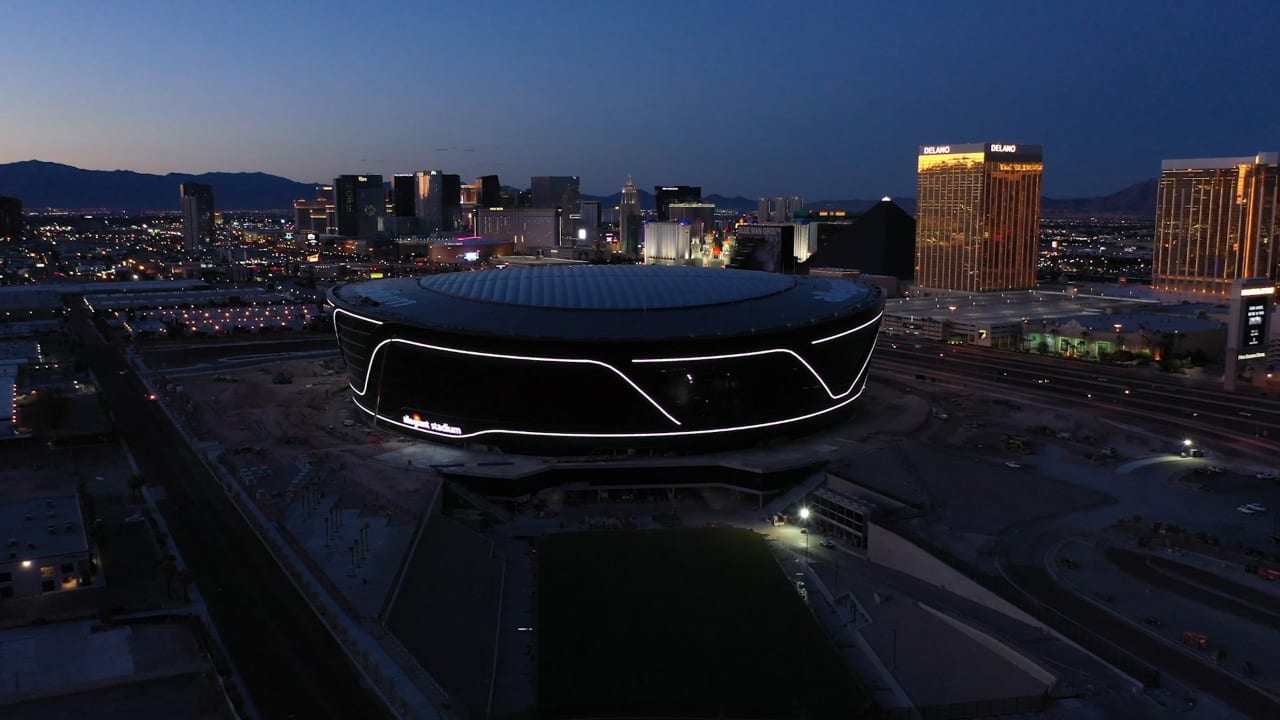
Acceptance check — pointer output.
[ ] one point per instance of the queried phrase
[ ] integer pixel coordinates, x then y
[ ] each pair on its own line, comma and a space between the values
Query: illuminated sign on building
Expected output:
416, 421
1004, 148
1253, 328
935, 150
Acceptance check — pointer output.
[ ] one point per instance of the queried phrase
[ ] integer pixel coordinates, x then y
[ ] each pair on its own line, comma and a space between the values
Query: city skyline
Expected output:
532, 92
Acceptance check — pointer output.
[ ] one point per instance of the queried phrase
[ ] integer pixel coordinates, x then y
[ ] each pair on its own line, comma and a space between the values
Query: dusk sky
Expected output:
824, 99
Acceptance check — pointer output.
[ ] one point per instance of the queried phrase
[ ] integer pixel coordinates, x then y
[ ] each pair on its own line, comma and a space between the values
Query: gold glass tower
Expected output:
978, 225
1217, 221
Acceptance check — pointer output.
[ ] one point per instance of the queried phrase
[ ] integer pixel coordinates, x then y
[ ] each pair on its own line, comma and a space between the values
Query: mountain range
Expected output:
42, 185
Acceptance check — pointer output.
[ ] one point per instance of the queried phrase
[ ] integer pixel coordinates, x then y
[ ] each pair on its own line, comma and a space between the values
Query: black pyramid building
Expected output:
880, 242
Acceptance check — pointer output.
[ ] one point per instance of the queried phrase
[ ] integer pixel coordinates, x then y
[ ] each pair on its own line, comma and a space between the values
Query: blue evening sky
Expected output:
824, 99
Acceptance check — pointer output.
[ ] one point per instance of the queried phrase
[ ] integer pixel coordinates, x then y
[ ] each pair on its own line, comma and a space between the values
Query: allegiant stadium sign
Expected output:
418, 422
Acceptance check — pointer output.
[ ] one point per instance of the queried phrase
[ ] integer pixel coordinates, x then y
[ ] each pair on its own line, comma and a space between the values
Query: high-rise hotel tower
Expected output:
978, 228
1217, 221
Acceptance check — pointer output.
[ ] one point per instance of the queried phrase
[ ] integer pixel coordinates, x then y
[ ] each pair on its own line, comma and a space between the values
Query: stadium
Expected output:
578, 359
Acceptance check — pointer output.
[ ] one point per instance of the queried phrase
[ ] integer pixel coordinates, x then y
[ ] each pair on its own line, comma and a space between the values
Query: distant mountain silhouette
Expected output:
52, 185
1137, 200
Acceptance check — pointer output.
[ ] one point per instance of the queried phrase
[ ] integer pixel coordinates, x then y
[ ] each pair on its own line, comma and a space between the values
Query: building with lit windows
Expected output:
317, 216
525, 228
47, 549
665, 195
439, 201
197, 216
1217, 221
630, 220
579, 358
978, 222
360, 201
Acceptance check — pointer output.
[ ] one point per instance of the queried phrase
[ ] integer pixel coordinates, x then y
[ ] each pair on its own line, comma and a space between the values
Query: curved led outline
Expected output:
872, 321
785, 351
860, 377
671, 433
337, 310
474, 353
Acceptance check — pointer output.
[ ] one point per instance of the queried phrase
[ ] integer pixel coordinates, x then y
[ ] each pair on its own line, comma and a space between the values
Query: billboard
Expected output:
1254, 311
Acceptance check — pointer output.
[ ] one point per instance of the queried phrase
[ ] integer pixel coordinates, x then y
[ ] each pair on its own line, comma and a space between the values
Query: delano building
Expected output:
1217, 221
978, 228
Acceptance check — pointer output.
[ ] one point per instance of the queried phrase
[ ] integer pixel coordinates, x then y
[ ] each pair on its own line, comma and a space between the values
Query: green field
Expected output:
680, 623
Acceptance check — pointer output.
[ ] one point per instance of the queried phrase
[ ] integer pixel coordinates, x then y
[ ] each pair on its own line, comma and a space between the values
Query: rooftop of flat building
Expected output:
42, 527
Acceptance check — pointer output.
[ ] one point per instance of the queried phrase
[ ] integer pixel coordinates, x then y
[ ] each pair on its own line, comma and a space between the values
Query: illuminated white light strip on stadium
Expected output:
872, 321
774, 351
337, 310
573, 361
673, 433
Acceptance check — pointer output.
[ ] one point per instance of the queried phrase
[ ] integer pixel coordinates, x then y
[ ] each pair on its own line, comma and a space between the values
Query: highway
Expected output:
1187, 408
291, 664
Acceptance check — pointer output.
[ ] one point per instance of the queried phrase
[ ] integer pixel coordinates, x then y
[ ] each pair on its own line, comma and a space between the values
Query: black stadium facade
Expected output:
573, 359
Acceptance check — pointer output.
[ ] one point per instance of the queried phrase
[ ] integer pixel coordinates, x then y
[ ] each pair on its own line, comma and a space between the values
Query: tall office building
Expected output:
439, 202
197, 216
664, 195
404, 195
360, 201
10, 219
556, 191
1217, 221
488, 191
630, 220
979, 216
589, 223
779, 210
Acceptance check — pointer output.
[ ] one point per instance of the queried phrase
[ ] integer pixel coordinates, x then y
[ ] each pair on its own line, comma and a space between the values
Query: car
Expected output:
1014, 464
135, 519
1216, 470
1266, 475
827, 544
1256, 507
804, 531
1246, 510
151, 396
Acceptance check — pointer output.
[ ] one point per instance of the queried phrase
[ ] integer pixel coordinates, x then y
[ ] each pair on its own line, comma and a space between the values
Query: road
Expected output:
291, 664
1192, 407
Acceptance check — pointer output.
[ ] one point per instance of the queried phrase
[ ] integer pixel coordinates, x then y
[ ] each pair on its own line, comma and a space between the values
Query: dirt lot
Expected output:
284, 438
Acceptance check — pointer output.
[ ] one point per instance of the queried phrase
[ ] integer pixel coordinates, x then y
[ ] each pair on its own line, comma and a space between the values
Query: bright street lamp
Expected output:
804, 515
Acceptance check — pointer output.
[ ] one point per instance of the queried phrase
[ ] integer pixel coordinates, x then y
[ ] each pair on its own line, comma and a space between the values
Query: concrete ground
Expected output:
82, 669
292, 444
